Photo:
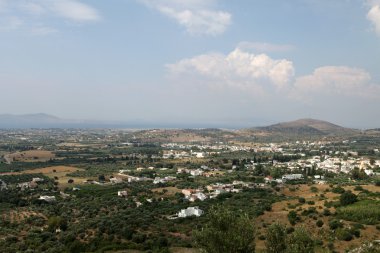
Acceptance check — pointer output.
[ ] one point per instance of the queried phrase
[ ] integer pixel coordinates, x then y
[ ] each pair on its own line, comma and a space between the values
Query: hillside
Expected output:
300, 128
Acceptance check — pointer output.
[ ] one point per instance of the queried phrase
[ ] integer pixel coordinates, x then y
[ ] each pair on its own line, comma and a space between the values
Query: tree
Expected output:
70, 181
358, 174
300, 242
276, 238
348, 198
226, 231
292, 217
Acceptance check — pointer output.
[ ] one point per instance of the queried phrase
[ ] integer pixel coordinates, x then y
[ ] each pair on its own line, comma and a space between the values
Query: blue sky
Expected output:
192, 62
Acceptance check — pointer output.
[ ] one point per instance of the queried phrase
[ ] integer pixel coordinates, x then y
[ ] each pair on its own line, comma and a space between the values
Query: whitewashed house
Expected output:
190, 211
122, 194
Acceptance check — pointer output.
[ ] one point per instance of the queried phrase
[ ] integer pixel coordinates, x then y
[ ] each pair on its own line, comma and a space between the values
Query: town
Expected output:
149, 192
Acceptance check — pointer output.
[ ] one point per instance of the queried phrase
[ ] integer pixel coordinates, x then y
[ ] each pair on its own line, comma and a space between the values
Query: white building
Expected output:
190, 211
116, 180
292, 177
122, 193
47, 198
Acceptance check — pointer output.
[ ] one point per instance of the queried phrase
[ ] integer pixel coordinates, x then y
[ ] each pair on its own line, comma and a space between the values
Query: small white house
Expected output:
292, 177
122, 193
116, 180
48, 199
190, 211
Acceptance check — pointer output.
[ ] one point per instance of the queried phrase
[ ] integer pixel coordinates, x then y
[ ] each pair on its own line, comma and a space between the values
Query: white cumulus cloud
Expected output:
198, 17
374, 16
337, 81
238, 69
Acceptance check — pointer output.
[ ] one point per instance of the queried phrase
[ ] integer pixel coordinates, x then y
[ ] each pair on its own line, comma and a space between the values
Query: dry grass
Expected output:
169, 191
59, 172
280, 211
17, 216
31, 156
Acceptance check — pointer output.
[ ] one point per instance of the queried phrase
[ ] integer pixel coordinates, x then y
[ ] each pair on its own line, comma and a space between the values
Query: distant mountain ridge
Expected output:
298, 127
43, 120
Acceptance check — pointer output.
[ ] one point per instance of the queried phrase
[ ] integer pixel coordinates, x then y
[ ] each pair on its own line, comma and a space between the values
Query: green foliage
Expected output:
343, 234
365, 211
276, 238
347, 198
338, 190
358, 174
334, 224
301, 200
56, 222
300, 242
293, 217
226, 231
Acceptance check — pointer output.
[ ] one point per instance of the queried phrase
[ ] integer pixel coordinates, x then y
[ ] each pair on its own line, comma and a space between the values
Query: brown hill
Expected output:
302, 128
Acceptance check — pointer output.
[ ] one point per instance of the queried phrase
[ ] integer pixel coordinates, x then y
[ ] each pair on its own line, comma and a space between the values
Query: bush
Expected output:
300, 242
276, 238
313, 189
301, 200
338, 189
289, 230
319, 223
226, 231
348, 198
334, 224
344, 235
293, 217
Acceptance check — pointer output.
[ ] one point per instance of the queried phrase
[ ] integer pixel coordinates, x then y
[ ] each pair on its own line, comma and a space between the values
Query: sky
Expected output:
205, 63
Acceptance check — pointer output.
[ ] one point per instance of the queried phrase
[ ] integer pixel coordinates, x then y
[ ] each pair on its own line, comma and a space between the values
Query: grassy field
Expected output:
31, 156
59, 172
316, 198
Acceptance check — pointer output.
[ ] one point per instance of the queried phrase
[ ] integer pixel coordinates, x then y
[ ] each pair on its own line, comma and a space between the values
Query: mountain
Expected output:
28, 120
301, 128
42, 120
311, 126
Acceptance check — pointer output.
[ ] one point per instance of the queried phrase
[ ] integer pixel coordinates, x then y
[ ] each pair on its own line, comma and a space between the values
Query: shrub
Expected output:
301, 200
300, 242
334, 224
293, 217
343, 235
226, 231
348, 198
319, 223
276, 238
326, 212
338, 189
313, 189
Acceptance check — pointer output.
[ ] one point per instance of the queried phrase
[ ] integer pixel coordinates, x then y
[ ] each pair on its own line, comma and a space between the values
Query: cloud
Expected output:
32, 15
74, 10
263, 47
259, 74
336, 81
374, 16
238, 69
198, 17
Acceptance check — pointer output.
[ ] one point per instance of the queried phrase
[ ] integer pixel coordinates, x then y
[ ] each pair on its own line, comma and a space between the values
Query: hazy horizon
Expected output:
192, 62
43, 120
